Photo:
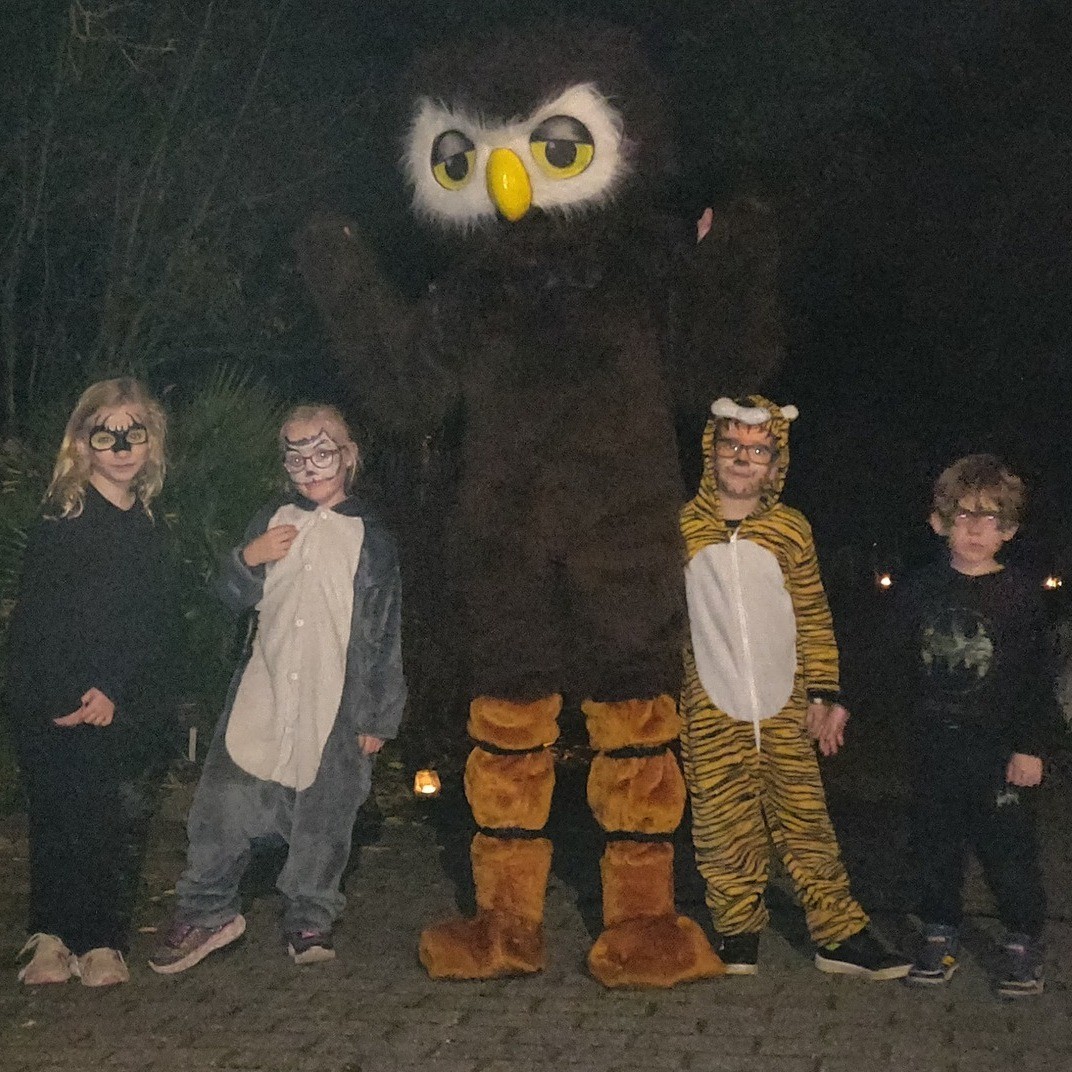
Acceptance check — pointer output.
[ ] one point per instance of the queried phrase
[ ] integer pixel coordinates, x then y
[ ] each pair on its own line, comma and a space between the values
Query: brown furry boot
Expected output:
506, 936
645, 942
508, 781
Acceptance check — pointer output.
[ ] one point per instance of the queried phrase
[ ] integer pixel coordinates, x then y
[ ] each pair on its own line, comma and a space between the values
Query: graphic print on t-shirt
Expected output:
956, 650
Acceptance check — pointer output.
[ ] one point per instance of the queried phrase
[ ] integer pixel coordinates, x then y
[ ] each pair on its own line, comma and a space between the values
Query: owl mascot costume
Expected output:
565, 330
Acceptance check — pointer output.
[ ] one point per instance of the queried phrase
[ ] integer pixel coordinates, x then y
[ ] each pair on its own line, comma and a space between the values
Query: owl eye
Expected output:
453, 157
562, 147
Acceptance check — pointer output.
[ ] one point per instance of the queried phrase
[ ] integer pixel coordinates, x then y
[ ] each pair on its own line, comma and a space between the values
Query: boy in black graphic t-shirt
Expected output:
982, 719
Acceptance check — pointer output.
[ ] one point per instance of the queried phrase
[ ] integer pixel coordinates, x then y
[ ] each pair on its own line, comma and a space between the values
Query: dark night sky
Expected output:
917, 156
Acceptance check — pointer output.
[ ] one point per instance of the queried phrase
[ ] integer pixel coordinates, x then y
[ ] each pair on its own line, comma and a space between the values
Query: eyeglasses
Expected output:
987, 518
102, 438
757, 453
322, 458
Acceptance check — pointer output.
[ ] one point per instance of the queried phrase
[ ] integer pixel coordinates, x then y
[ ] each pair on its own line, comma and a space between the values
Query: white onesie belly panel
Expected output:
743, 628
288, 698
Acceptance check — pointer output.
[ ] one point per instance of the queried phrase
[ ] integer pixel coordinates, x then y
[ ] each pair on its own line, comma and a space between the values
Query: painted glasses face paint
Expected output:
316, 458
102, 438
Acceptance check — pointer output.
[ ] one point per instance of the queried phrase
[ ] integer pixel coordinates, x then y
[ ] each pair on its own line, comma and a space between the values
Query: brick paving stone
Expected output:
866, 1062
498, 1021
742, 1043
663, 1055
374, 1009
509, 1065
743, 1063
794, 1046
611, 1023
588, 1052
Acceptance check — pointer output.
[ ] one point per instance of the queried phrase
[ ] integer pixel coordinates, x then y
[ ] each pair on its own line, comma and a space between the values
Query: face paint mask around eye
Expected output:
309, 461
102, 438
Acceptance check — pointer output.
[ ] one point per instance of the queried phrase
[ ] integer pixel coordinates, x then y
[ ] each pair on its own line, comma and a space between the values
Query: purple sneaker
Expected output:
185, 944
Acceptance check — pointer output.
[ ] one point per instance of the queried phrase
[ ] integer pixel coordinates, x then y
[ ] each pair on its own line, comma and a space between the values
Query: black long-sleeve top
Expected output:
980, 657
96, 607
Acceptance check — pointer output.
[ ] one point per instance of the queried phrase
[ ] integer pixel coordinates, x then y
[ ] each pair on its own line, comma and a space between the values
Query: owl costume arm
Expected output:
376, 334
724, 320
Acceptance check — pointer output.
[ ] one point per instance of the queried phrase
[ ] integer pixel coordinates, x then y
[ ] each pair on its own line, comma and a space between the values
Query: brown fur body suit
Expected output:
565, 530
567, 339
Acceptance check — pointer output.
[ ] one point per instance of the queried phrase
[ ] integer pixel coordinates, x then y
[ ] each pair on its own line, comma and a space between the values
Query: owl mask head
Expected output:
536, 129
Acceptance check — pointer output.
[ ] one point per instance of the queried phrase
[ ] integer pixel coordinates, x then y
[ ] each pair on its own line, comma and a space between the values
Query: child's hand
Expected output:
269, 546
832, 736
826, 726
96, 710
368, 744
1023, 770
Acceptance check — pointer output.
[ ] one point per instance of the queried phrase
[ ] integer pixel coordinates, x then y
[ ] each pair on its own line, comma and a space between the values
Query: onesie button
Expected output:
299, 622
324, 515
293, 677
308, 568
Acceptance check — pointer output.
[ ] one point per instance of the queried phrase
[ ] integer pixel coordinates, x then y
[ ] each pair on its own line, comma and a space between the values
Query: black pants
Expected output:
962, 800
88, 828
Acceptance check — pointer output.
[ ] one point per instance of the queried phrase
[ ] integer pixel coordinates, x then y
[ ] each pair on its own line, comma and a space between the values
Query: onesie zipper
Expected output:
746, 644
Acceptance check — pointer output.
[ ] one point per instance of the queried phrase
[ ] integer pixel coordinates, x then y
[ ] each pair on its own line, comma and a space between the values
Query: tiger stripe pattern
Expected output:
742, 797
750, 786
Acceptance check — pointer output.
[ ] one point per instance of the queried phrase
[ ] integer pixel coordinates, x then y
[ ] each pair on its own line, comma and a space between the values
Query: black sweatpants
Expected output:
962, 801
88, 829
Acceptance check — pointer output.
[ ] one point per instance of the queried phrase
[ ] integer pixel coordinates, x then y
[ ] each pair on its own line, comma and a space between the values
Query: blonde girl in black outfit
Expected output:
86, 651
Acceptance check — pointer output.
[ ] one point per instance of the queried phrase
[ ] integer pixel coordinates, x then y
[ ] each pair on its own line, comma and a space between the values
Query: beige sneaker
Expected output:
102, 967
52, 961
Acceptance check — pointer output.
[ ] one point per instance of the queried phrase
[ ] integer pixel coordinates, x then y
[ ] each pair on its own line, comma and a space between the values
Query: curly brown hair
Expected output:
981, 476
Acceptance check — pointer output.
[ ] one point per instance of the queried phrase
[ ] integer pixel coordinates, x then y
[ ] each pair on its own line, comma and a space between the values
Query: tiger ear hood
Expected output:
752, 409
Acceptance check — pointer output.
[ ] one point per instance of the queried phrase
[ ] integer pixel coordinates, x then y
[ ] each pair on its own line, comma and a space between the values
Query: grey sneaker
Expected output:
310, 947
186, 944
937, 960
1022, 971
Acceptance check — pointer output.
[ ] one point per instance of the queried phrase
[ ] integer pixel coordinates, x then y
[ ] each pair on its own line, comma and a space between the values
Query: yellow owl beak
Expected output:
508, 184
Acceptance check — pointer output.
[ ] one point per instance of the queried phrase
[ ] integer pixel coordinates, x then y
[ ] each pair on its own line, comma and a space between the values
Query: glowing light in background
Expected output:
426, 784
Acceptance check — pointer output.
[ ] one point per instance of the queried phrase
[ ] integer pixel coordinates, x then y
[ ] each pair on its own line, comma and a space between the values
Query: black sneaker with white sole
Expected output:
862, 955
739, 953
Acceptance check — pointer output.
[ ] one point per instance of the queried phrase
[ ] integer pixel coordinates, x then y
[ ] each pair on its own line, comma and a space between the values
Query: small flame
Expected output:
426, 784
1053, 582
884, 581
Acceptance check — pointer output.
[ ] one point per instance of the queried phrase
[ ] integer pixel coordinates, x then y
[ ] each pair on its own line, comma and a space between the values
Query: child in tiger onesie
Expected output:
761, 685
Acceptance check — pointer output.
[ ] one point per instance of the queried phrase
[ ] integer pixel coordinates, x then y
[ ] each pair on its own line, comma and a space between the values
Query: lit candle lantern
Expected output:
426, 784
1053, 582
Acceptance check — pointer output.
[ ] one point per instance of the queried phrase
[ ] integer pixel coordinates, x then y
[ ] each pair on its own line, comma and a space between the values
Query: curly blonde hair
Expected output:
980, 476
335, 425
66, 495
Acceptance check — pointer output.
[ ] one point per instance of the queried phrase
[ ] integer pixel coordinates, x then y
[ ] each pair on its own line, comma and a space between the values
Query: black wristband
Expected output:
824, 697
